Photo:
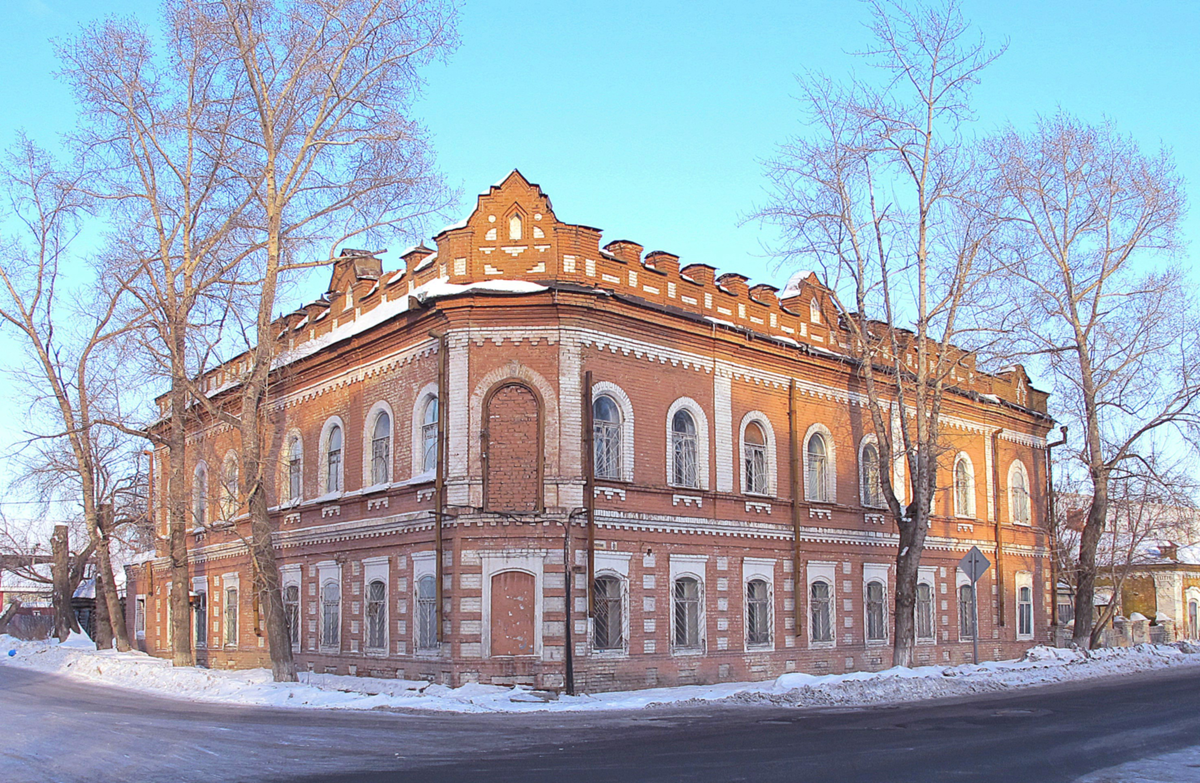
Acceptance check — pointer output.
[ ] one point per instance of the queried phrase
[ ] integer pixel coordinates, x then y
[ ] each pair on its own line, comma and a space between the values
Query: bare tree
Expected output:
152, 132
328, 152
1090, 221
885, 195
46, 208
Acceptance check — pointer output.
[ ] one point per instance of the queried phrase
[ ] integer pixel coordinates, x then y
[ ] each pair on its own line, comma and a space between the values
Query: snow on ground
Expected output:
78, 658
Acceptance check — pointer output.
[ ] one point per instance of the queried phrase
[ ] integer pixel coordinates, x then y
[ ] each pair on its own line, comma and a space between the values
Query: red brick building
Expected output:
709, 558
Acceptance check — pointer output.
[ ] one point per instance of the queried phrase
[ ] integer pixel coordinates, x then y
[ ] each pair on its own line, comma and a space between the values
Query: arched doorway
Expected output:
512, 613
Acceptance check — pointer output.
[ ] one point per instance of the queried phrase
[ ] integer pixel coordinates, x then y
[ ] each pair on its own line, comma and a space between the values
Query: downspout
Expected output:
794, 440
1052, 524
1002, 601
439, 487
589, 489
568, 631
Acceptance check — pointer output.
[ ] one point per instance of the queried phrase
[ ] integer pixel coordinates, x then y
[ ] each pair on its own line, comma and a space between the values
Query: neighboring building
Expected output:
709, 558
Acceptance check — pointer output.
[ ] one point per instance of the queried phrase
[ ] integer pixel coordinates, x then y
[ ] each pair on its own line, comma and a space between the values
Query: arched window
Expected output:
821, 608
331, 615
687, 613
606, 437
1018, 489
817, 481
758, 612
872, 491
754, 458
1193, 609
511, 457
814, 310
1025, 611
229, 488
515, 231
876, 612
291, 613
964, 488
966, 615
607, 617
429, 436
924, 610
381, 449
377, 615
295, 469
200, 496
683, 446
426, 619
333, 460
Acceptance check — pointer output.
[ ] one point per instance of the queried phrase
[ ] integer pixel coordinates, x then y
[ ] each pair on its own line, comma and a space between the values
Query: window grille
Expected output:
294, 476
381, 449
871, 487
377, 615
426, 613
966, 620
231, 615
754, 448
817, 480
1025, 611
687, 613
821, 608
331, 615
139, 616
924, 611
1066, 612
333, 461
606, 438
683, 446
291, 613
429, 436
758, 612
876, 613
607, 617
200, 619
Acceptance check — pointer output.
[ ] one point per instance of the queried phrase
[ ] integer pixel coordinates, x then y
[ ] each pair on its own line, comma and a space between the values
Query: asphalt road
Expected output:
54, 729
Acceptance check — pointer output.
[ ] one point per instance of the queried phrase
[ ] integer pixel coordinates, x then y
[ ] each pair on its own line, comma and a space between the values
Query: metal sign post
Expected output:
974, 564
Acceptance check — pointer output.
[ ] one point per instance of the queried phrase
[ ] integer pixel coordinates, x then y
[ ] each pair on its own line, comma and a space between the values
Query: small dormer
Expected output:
354, 265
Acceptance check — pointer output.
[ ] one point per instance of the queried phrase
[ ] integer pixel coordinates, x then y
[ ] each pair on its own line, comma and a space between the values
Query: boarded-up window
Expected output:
513, 454
512, 613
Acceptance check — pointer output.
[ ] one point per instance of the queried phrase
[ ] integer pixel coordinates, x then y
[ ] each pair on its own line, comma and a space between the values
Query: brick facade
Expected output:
702, 553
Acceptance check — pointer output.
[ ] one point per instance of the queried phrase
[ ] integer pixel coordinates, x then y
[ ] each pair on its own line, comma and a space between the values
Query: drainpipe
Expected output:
995, 479
568, 631
794, 440
589, 489
439, 491
1052, 524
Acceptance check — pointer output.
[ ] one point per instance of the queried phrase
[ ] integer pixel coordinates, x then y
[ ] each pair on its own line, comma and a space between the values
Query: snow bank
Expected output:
138, 671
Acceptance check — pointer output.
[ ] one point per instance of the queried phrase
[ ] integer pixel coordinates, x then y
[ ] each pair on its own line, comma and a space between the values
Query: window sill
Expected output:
759, 647
687, 651
822, 645
765, 495
927, 641
609, 653
877, 643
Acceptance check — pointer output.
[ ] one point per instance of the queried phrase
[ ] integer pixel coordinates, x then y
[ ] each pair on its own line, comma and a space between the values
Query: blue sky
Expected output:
649, 119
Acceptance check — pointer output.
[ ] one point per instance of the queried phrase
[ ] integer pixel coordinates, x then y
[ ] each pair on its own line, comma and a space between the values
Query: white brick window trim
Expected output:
1024, 579
377, 569
758, 568
285, 476
693, 566
368, 438
1018, 467
329, 571
615, 564
428, 392
927, 575
702, 447
760, 418
830, 494
618, 395
529, 561
826, 572
323, 457
292, 574
869, 439
877, 572
962, 458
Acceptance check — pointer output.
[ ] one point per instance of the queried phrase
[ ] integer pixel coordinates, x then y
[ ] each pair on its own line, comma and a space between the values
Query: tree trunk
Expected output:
181, 637
102, 625
1085, 580
106, 587
908, 559
9, 613
60, 568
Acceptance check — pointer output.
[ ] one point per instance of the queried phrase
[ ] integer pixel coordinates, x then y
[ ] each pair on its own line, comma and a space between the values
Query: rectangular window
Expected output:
821, 608
200, 618
426, 614
331, 615
687, 613
876, 613
607, 618
139, 617
377, 615
924, 610
966, 612
1025, 611
758, 612
231, 616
